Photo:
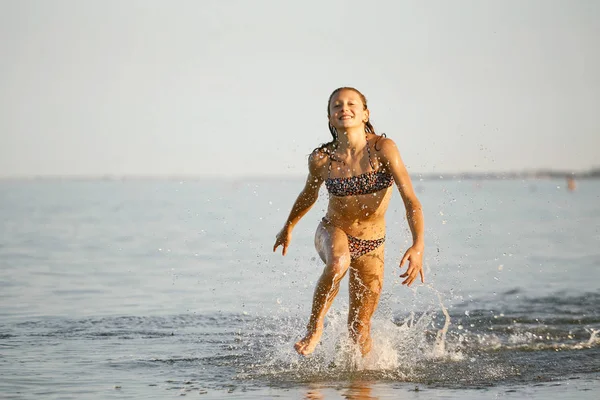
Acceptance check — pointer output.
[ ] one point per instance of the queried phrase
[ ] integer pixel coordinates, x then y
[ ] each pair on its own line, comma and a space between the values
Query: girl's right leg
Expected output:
332, 245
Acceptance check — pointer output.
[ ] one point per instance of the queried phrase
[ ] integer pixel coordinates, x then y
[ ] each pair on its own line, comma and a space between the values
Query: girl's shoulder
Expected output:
383, 144
385, 149
318, 160
322, 153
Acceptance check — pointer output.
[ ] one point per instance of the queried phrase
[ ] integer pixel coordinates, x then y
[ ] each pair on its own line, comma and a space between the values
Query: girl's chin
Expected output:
343, 128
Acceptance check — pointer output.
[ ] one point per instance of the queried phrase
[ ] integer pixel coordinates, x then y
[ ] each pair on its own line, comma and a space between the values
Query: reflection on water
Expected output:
314, 393
359, 390
354, 390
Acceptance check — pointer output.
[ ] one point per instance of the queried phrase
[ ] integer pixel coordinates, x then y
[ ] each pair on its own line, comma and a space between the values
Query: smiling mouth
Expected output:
345, 117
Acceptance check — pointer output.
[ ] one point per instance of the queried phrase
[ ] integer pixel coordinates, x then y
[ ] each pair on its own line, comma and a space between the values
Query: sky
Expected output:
236, 88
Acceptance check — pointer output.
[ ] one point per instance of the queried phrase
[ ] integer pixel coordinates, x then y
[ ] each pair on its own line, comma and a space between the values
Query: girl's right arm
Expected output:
305, 200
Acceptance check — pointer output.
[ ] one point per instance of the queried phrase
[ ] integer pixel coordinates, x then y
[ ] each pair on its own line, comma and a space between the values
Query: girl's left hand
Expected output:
415, 267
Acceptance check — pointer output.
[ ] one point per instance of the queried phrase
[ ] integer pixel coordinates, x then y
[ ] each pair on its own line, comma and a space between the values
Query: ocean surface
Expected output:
155, 289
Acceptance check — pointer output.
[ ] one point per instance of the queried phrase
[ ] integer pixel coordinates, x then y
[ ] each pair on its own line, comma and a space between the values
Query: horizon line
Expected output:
513, 174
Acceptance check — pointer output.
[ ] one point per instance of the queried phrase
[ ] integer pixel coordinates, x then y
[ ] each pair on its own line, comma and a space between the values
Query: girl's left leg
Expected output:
366, 282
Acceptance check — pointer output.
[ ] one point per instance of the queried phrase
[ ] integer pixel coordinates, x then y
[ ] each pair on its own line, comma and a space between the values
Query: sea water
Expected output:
146, 288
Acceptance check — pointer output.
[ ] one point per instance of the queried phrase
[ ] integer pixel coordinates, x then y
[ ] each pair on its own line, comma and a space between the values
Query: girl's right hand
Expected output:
283, 238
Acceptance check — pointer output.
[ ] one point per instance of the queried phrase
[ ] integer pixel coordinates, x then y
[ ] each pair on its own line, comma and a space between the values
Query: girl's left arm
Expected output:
390, 157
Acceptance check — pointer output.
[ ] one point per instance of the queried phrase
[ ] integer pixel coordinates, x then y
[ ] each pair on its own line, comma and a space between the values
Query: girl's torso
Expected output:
358, 200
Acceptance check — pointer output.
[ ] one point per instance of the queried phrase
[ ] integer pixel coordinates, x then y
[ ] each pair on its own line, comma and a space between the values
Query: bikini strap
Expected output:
329, 166
369, 153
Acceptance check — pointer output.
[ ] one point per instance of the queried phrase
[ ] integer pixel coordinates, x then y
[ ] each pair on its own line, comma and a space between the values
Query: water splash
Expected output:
439, 348
443, 344
399, 348
593, 338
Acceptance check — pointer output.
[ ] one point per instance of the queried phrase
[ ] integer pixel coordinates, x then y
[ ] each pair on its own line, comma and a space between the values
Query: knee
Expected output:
375, 287
368, 285
336, 268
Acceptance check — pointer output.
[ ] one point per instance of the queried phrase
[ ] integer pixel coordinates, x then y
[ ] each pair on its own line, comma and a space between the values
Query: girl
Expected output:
359, 168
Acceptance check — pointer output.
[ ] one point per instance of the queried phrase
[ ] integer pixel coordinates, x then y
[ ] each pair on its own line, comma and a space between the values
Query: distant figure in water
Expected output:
571, 184
359, 168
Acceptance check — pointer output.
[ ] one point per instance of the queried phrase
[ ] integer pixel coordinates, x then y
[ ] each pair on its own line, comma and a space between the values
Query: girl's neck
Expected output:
352, 141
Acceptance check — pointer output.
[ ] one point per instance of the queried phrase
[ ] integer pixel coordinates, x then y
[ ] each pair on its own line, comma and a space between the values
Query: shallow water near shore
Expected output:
157, 289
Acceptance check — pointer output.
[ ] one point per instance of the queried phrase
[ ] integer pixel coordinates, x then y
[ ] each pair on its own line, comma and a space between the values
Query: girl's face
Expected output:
346, 110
